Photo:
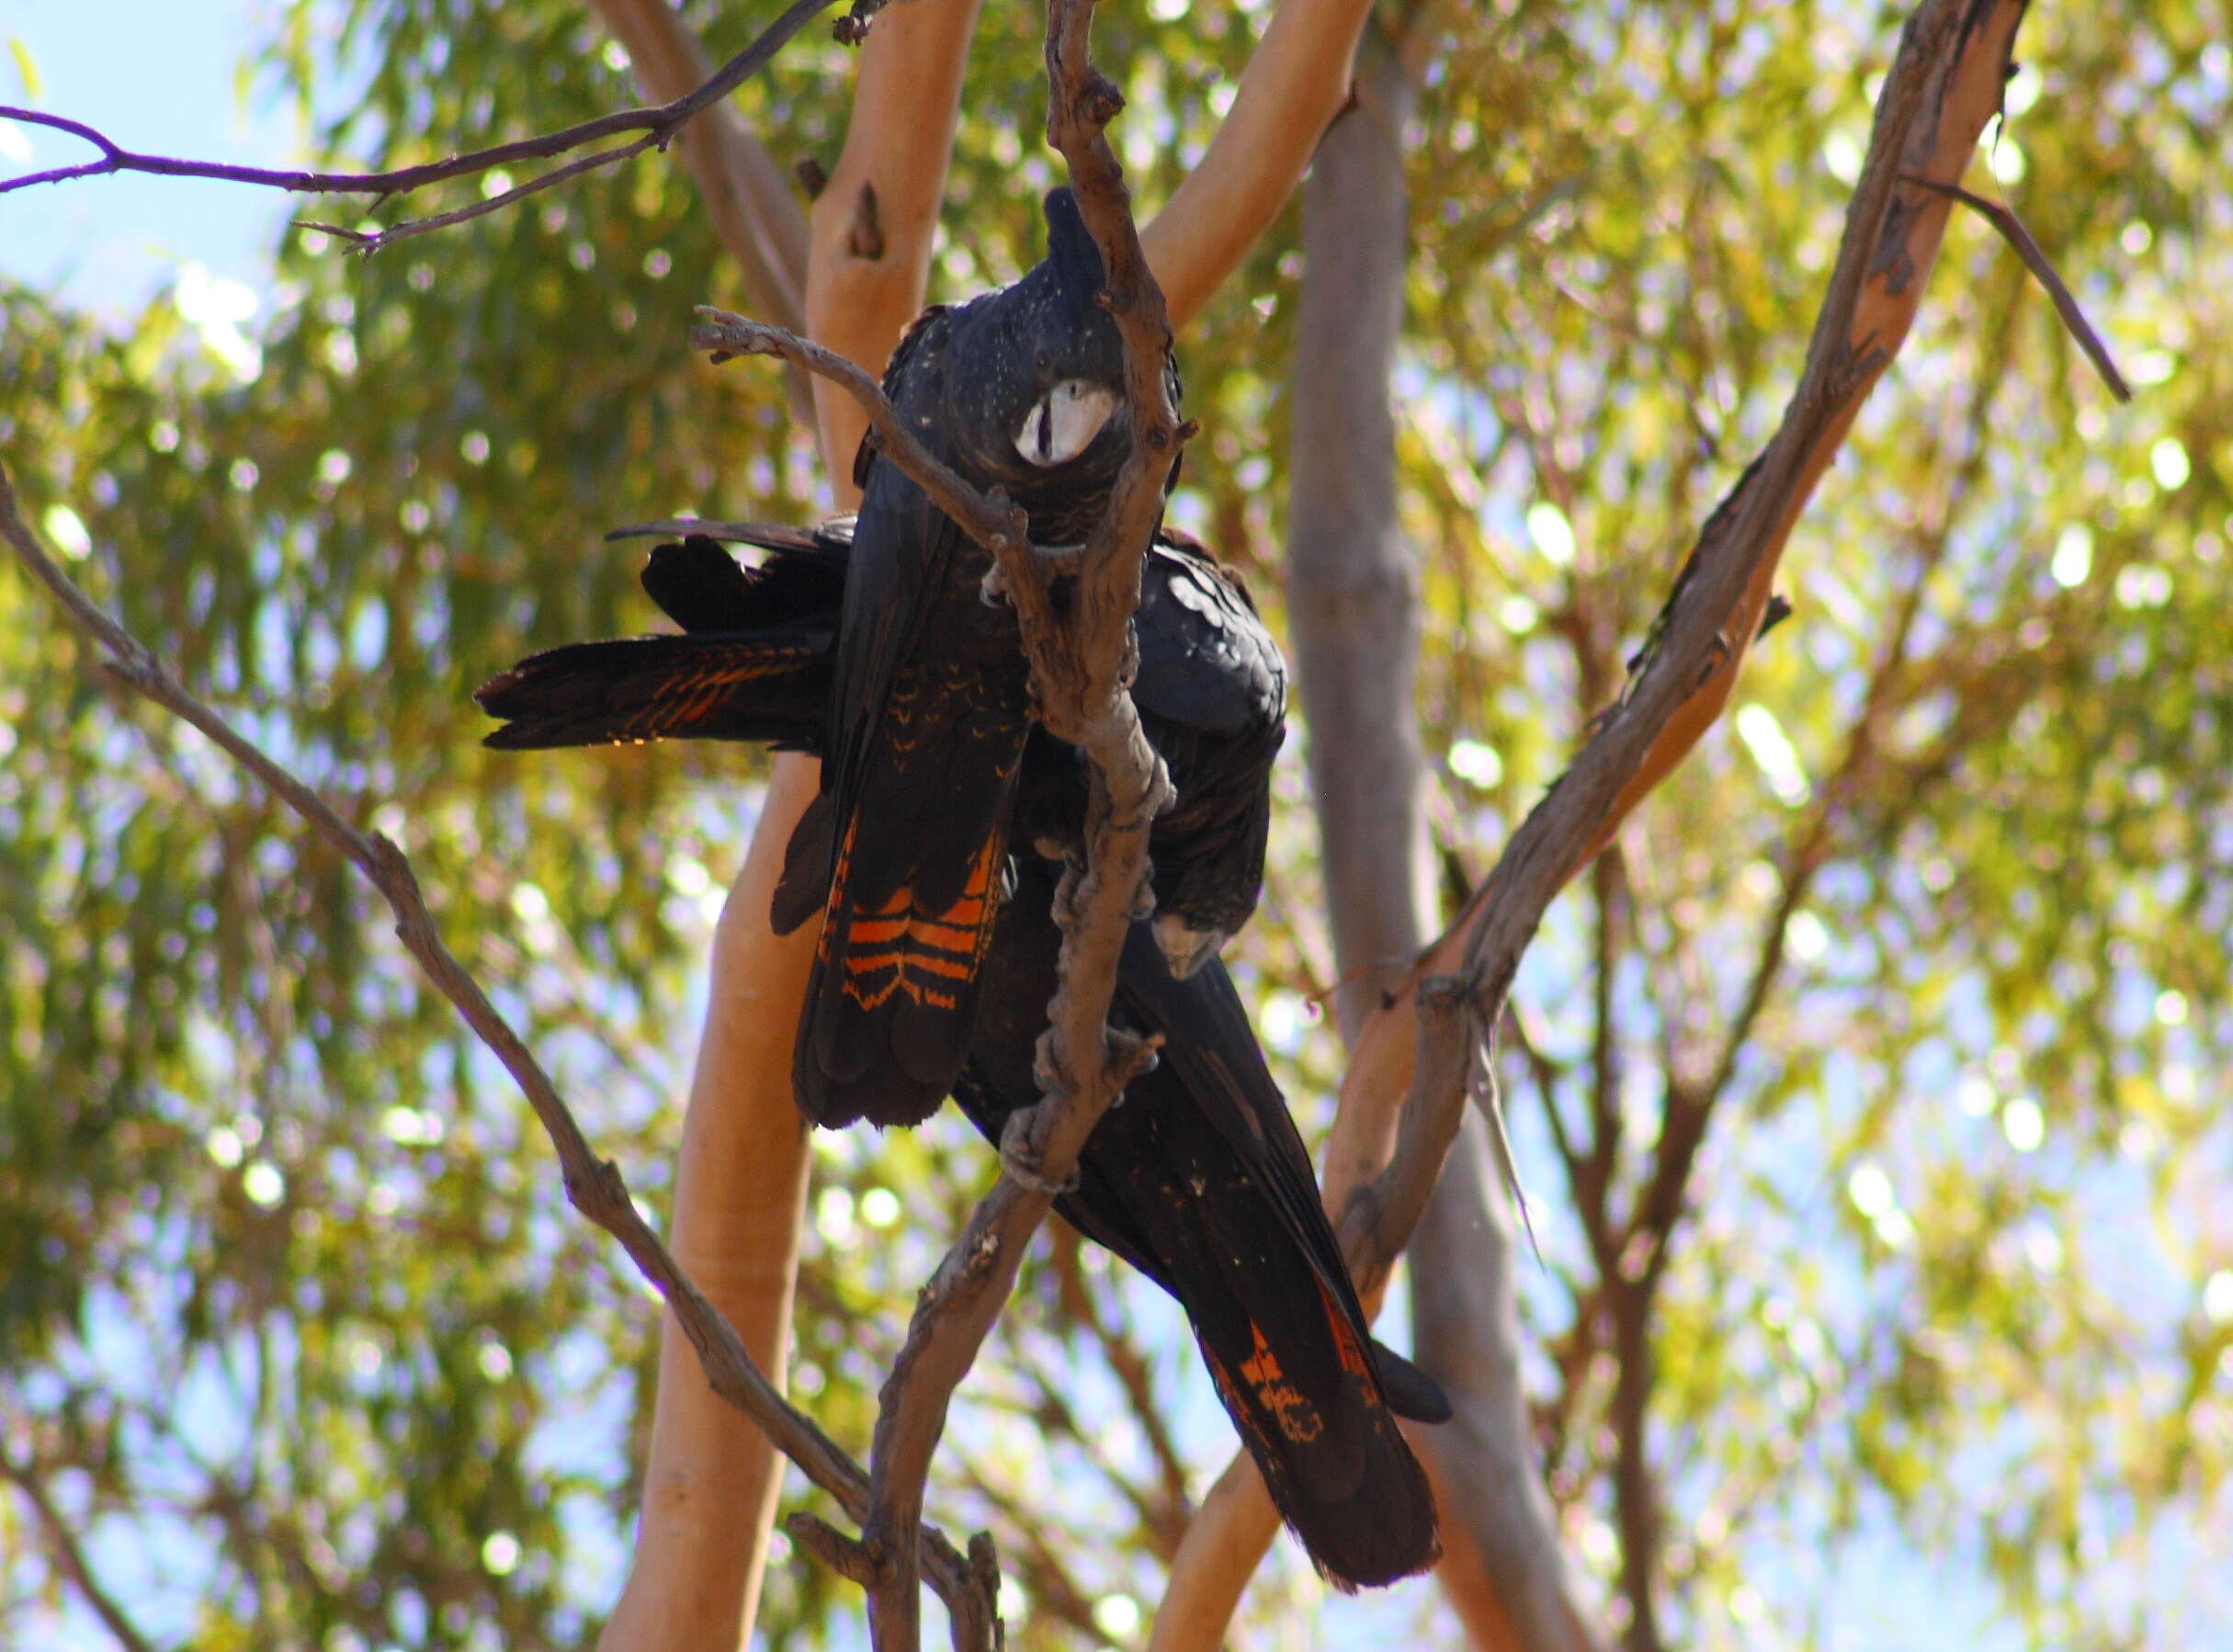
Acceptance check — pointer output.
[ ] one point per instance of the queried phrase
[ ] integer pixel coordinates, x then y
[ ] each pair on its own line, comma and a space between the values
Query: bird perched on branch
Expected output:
1198, 1179
1019, 390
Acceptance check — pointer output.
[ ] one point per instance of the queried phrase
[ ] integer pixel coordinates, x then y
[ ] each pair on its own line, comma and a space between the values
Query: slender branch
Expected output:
1636, 1500
594, 1186
658, 125
746, 196
69, 1553
2003, 218
1081, 661
369, 242
993, 523
1693, 633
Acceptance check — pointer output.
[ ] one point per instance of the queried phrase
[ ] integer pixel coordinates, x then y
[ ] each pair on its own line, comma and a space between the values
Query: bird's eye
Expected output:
1063, 423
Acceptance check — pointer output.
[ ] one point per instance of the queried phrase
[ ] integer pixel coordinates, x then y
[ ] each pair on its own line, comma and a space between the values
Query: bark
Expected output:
875, 220
711, 1479
1353, 605
745, 192
1507, 1575
1353, 590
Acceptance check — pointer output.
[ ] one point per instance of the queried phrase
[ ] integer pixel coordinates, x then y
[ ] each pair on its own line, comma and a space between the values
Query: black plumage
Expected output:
753, 661
929, 705
1197, 1177
1212, 697
756, 660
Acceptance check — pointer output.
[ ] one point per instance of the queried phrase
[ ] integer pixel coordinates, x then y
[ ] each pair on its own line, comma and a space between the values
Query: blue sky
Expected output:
164, 77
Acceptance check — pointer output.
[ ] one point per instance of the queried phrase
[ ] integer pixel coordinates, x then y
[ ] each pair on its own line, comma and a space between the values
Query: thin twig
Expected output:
992, 521
595, 1186
659, 125
1081, 661
70, 1556
367, 242
2003, 218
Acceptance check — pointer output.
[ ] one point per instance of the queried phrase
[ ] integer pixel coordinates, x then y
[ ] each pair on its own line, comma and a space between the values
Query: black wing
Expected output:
925, 730
1205, 660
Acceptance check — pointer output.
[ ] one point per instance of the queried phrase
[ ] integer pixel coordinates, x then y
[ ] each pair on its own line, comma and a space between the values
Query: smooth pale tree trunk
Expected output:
711, 1480
1353, 609
1353, 601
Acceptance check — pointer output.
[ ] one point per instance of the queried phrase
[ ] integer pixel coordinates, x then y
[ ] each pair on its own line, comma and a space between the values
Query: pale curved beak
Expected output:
1063, 423
1185, 950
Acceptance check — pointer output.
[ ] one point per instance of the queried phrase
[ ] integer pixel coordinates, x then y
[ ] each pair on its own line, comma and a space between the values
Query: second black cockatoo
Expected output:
1197, 1178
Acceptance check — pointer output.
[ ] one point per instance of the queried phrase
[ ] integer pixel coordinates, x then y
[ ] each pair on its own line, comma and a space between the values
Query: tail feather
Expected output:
892, 1002
1299, 1378
1337, 1466
769, 686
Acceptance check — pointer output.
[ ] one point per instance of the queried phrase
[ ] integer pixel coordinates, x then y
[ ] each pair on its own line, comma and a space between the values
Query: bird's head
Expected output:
1035, 379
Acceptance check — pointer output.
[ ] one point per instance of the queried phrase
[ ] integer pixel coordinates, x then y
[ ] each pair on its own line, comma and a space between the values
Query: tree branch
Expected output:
741, 1187
659, 127
595, 1186
68, 1552
1944, 84
1080, 663
2003, 218
1297, 81
746, 196
993, 524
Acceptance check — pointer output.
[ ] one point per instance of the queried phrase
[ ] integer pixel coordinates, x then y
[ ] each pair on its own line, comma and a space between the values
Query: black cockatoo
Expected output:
929, 710
757, 658
1197, 1178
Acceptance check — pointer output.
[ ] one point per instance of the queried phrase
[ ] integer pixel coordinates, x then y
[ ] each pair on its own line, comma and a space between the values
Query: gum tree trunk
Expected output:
1353, 597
